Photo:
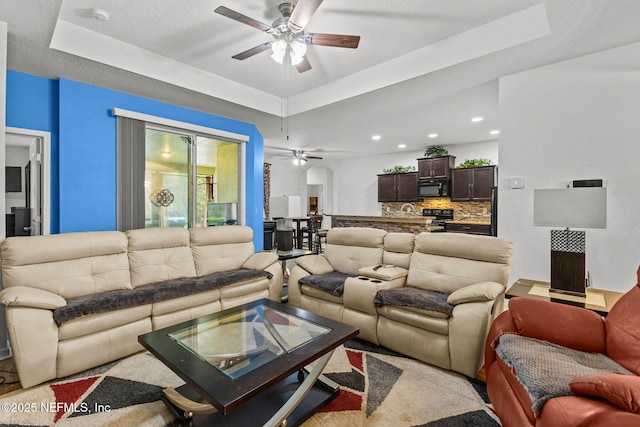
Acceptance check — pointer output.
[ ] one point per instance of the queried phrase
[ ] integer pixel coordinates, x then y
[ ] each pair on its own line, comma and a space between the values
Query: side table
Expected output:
597, 300
283, 256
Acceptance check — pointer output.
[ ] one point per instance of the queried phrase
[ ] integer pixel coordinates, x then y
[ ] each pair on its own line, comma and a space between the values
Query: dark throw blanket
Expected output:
153, 292
545, 369
414, 297
331, 283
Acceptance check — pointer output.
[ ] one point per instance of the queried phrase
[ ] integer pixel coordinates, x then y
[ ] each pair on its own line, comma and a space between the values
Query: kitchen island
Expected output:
409, 224
470, 225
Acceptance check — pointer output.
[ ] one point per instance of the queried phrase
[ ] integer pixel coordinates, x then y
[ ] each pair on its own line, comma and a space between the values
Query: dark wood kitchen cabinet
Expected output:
472, 183
435, 167
481, 229
398, 187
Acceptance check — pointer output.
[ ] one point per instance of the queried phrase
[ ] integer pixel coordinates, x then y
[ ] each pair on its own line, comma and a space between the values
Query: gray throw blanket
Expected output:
331, 283
545, 369
414, 297
153, 292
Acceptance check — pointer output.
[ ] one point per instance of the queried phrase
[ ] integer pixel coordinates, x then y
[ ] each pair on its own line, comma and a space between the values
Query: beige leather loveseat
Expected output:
78, 300
431, 296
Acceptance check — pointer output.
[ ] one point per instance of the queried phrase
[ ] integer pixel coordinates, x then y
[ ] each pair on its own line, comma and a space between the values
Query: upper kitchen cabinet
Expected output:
472, 183
398, 187
435, 167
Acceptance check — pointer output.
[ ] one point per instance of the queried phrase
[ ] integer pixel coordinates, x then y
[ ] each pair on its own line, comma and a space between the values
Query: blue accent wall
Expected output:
32, 103
85, 147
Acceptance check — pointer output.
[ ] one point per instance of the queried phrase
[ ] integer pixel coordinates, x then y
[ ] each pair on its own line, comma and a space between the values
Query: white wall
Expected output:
475, 150
572, 121
288, 179
4, 348
357, 181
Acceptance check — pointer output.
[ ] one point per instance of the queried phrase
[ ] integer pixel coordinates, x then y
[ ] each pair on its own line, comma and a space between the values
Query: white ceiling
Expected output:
422, 65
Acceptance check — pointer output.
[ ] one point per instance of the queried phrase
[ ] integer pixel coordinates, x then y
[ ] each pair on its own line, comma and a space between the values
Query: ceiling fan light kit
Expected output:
299, 157
296, 48
289, 34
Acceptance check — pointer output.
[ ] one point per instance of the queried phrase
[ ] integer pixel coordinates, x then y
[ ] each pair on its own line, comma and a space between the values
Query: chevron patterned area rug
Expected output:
378, 388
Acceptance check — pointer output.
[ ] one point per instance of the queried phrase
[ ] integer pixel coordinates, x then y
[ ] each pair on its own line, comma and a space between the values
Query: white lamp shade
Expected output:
298, 50
570, 207
279, 49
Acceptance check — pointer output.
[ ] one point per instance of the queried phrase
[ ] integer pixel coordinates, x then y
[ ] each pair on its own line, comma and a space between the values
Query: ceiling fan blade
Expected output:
303, 65
302, 14
253, 51
313, 157
333, 40
224, 11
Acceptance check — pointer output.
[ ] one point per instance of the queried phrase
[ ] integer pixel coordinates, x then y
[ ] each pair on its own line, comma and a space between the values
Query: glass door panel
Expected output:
167, 179
217, 182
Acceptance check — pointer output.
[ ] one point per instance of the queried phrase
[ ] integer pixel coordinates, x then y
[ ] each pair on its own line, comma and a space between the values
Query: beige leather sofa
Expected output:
45, 275
468, 273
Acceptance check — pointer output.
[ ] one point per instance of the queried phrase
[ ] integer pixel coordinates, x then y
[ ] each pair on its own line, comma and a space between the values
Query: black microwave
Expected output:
438, 188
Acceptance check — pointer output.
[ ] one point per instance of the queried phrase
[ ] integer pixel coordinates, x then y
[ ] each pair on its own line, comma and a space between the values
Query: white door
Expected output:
35, 186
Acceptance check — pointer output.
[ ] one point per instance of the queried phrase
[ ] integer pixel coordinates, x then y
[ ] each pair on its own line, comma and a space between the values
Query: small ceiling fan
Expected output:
300, 157
288, 32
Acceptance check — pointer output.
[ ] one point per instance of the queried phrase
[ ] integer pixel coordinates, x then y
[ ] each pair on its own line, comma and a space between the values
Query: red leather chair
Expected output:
597, 400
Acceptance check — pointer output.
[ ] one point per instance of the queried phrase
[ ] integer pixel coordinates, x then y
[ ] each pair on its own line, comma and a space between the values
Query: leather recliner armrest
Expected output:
25, 296
482, 291
621, 390
260, 261
503, 324
315, 264
565, 325
359, 294
383, 272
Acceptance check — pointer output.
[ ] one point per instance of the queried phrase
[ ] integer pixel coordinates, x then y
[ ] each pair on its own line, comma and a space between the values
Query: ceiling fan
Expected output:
288, 32
300, 157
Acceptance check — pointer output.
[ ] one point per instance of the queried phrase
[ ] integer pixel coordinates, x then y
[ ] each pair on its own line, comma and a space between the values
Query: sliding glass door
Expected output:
190, 180
217, 189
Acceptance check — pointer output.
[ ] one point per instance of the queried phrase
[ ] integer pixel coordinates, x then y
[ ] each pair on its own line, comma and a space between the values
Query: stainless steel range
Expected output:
440, 215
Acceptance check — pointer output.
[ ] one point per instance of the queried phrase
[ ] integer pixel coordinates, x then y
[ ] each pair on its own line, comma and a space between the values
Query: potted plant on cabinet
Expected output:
436, 150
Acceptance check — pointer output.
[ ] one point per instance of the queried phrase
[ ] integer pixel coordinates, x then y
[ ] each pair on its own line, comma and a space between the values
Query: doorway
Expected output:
27, 182
320, 189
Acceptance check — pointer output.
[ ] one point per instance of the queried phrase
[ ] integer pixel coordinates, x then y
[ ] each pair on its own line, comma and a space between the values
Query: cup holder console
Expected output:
369, 279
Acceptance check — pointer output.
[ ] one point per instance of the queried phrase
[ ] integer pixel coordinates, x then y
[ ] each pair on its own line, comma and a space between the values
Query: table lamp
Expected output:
569, 208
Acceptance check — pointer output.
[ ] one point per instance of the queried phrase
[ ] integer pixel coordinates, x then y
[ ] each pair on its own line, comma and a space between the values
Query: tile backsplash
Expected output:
461, 209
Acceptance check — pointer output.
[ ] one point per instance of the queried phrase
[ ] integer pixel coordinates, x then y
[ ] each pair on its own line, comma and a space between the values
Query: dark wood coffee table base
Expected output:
270, 391
260, 409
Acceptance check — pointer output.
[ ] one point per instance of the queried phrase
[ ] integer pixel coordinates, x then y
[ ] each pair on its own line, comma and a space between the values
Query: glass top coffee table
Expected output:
246, 365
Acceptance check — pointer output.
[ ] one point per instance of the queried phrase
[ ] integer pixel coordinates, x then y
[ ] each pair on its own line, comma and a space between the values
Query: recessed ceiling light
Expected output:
402, 146
477, 119
166, 154
376, 137
433, 135
494, 132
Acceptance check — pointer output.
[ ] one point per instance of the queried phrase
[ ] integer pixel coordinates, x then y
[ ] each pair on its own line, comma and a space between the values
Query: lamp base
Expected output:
568, 262
568, 273
565, 292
